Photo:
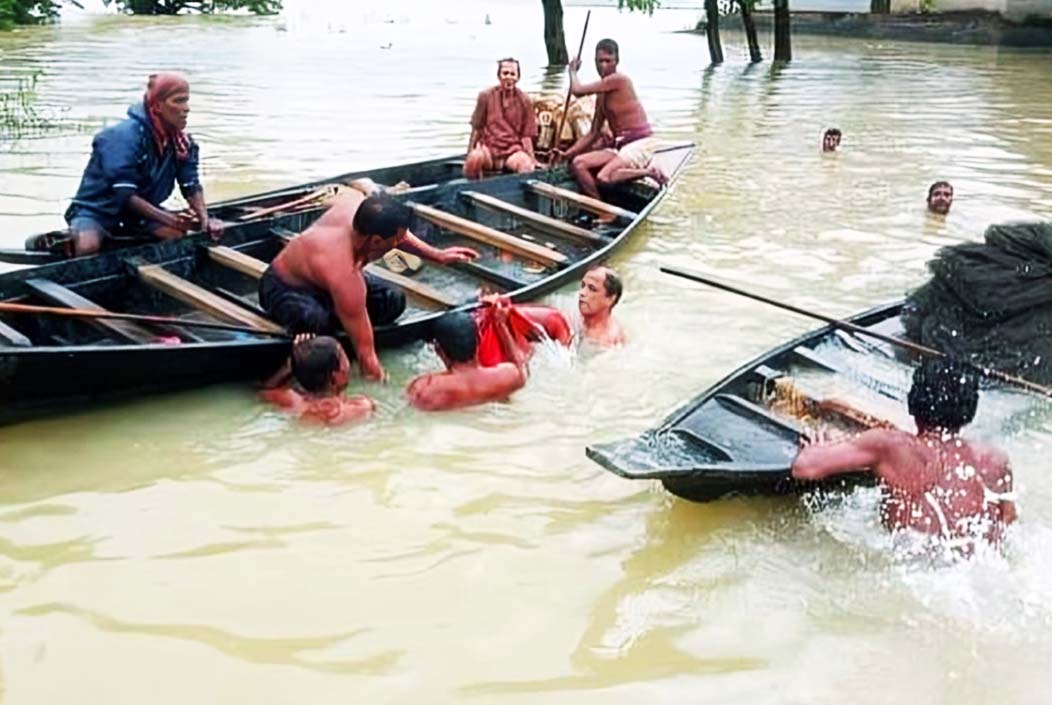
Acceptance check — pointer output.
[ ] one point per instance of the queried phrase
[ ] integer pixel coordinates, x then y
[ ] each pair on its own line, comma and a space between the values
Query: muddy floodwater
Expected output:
201, 548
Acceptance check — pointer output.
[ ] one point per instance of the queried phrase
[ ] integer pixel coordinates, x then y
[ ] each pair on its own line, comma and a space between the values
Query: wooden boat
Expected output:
303, 197
741, 435
535, 233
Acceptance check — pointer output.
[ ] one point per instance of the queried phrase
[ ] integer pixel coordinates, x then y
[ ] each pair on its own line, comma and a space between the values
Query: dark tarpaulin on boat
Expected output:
991, 302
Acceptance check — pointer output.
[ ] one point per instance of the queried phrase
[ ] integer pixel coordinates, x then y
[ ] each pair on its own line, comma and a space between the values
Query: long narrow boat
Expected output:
535, 232
303, 197
741, 435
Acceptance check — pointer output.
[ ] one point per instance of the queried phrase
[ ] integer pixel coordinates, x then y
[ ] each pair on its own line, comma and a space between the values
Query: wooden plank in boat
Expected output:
159, 278
490, 236
238, 261
587, 203
10, 336
427, 293
55, 293
544, 222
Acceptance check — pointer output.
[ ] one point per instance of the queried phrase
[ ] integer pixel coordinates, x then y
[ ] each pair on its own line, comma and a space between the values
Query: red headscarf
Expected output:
160, 87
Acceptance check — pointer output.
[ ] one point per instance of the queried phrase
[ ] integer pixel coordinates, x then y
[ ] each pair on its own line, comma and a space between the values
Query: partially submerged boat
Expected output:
535, 232
741, 435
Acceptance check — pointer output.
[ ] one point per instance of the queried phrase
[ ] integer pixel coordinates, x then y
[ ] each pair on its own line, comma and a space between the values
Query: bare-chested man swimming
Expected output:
465, 382
312, 384
628, 157
600, 291
934, 482
317, 283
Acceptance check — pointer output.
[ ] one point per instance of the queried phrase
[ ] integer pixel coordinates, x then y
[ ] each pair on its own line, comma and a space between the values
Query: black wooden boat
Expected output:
741, 435
535, 233
302, 197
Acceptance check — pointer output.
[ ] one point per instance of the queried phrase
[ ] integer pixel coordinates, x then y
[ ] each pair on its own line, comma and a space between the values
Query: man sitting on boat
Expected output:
503, 127
317, 283
935, 482
312, 383
133, 169
592, 159
466, 381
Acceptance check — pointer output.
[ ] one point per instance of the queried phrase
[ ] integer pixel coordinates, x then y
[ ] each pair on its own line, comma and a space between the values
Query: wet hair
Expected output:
609, 46
510, 60
937, 184
945, 394
457, 336
833, 132
314, 361
611, 283
382, 216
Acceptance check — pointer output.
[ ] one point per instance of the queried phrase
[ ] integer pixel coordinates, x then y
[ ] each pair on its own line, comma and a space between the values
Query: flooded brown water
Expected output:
202, 548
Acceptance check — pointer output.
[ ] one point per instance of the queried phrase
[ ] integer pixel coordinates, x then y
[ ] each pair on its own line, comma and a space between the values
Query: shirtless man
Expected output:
940, 197
465, 382
317, 283
503, 127
934, 482
831, 139
616, 105
600, 291
311, 385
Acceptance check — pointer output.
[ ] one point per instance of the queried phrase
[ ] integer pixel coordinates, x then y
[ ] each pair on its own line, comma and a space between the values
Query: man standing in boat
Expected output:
934, 483
503, 127
317, 283
133, 169
594, 160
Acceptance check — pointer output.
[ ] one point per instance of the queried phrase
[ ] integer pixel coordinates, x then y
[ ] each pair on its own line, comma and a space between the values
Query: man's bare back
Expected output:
933, 482
465, 385
330, 411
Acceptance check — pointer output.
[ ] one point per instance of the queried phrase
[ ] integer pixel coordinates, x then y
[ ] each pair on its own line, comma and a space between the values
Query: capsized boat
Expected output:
535, 232
741, 435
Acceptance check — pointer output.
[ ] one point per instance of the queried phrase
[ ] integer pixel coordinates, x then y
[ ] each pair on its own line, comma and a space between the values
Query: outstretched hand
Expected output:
453, 255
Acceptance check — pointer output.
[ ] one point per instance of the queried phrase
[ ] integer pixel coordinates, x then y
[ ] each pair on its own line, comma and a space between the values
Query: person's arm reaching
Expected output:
348, 298
817, 462
449, 255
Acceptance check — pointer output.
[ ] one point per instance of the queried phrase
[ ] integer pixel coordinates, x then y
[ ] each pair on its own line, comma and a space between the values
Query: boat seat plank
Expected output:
420, 290
12, 337
238, 261
491, 275
59, 295
543, 222
490, 236
593, 205
159, 278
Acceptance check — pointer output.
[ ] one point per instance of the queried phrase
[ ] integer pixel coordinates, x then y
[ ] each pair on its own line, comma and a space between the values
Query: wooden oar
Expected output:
6, 307
312, 196
857, 329
566, 104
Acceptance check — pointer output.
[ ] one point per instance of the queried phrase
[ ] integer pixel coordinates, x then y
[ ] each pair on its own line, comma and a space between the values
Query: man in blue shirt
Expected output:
133, 169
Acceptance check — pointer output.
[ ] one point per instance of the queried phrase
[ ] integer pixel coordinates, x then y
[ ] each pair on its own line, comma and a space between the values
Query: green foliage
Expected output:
647, 6
926, 6
14, 12
207, 7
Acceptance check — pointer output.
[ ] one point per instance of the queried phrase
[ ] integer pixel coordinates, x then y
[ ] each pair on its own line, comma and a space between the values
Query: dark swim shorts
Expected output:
309, 310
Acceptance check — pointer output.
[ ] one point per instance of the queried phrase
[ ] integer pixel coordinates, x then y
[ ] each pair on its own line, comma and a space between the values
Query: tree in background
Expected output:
712, 31
207, 7
14, 12
750, 30
783, 50
554, 38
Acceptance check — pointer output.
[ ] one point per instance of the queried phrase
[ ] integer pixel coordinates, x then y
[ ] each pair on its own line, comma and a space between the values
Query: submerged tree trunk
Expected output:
712, 31
554, 39
783, 50
879, 7
750, 31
